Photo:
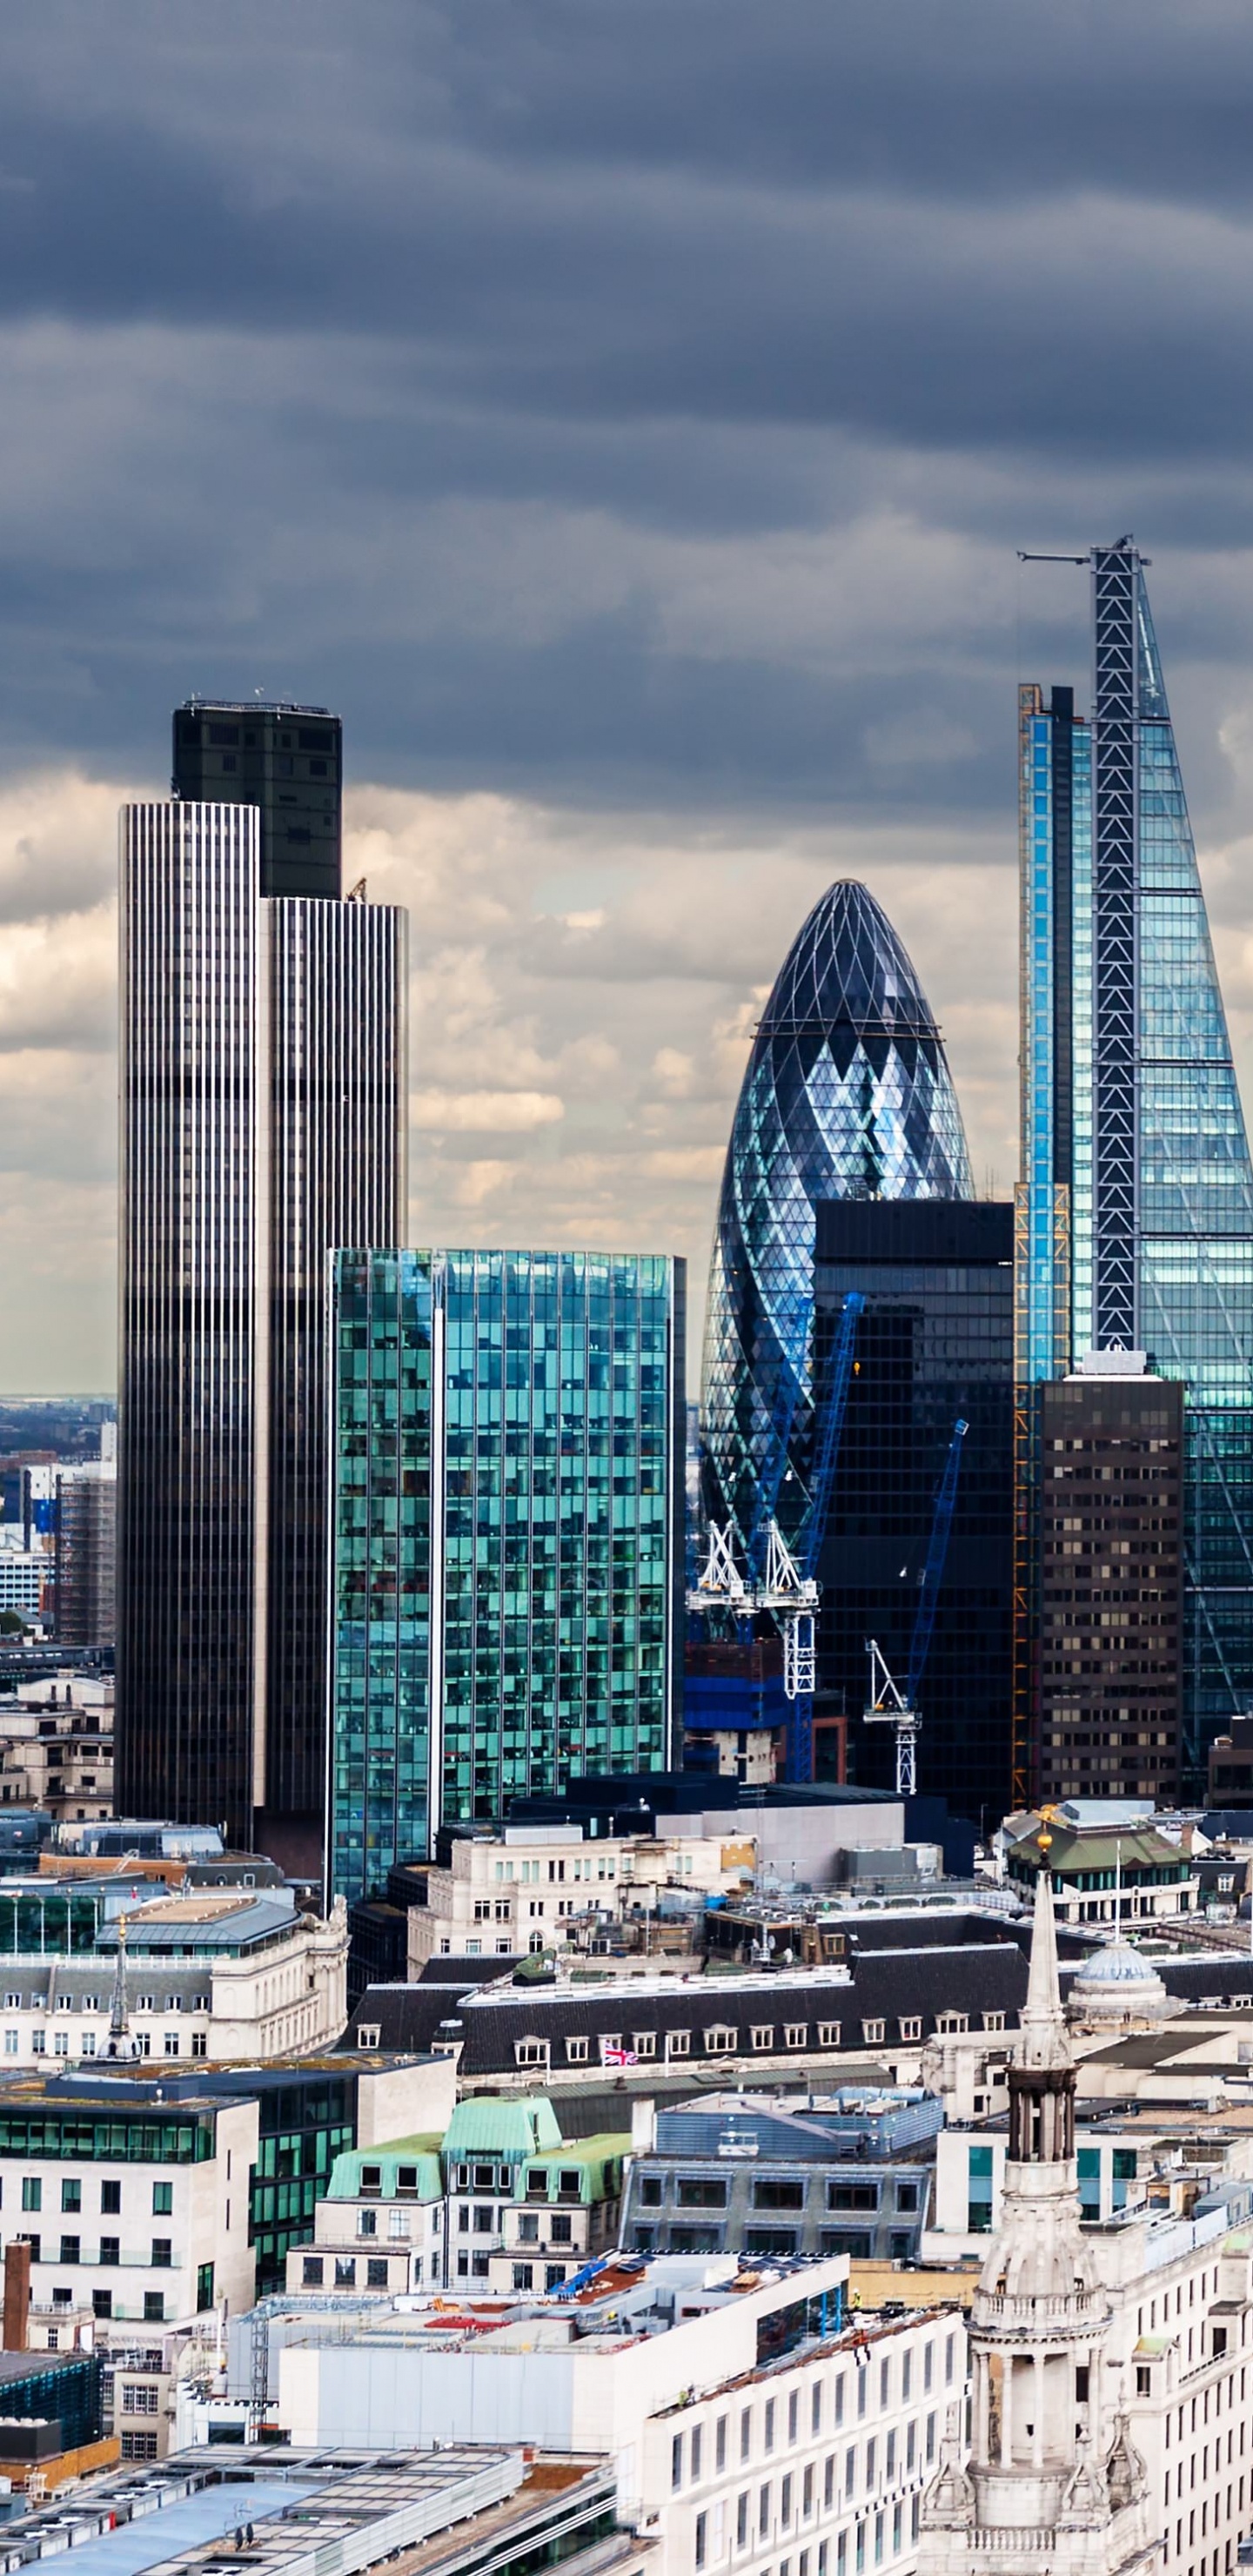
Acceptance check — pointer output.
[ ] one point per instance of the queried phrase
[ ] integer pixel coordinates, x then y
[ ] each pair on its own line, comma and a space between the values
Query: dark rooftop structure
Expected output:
288, 762
633, 1802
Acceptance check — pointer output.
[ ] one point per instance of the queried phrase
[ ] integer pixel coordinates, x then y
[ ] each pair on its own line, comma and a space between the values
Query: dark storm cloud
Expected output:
465, 364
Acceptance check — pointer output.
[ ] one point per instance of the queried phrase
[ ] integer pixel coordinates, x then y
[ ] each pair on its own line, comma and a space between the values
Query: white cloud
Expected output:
568, 1085
510, 1113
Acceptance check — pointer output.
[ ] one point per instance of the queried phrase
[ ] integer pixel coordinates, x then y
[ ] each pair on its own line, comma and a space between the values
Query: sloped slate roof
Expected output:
887, 1986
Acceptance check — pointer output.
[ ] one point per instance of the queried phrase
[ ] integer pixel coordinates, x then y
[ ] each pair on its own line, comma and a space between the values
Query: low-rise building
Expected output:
750, 2421
446, 2513
214, 1974
381, 2225
543, 1887
878, 2010
152, 2204
497, 2199
1113, 1872
799, 1828
839, 2173
56, 1745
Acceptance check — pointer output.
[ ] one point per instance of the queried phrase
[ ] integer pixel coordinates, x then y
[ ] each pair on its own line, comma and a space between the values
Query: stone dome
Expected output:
1117, 1989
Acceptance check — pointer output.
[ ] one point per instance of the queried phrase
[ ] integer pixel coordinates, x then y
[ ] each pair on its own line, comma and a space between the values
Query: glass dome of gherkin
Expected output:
847, 1095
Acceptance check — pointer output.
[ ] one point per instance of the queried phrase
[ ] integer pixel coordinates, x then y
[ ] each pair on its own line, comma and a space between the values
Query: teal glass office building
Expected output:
1135, 1206
508, 1490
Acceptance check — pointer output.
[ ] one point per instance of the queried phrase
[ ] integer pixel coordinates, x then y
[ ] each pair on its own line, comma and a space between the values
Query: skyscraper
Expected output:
847, 1094
1135, 1205
508, 1536
935, 1343
1111, 1515
263, 1121
285, 760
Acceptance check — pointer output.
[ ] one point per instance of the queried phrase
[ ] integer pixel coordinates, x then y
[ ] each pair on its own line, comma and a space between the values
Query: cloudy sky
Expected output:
626, 412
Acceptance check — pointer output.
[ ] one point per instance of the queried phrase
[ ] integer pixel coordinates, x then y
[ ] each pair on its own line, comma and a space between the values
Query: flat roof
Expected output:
348, 2508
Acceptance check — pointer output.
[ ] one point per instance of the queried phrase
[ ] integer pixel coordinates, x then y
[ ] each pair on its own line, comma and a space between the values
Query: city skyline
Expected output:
497, 965
629, 515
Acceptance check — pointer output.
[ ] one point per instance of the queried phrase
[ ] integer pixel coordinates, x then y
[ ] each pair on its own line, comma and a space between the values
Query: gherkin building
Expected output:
847, 1095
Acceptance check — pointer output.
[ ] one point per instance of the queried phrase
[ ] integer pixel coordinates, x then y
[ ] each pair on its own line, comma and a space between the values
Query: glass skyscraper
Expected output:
508, 1493
847, 1095
1135, 1206
935, 1342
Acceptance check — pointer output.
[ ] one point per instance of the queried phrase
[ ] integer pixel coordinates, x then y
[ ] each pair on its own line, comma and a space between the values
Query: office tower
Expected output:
847, 1094
507, 1570
263, 1121
935, 1344
285, 760
1111, 1527
1135, 1205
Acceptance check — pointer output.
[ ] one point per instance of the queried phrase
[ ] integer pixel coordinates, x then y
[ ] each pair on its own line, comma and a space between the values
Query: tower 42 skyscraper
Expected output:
1135, 1207
262, 1122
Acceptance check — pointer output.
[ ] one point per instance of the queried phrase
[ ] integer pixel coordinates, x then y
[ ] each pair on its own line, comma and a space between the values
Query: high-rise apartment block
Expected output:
934, 1345
1110, 1593
507, 1536
1134, 1211
263, 1122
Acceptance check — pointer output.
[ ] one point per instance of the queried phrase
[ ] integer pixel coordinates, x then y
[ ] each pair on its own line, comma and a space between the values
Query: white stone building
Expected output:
56, 1746
215, 1975
1112, 2362
528, 1889
752, 2427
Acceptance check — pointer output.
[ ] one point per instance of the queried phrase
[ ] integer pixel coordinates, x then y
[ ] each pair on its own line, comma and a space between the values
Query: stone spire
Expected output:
121, 2040
1044, 2041
1037, 2489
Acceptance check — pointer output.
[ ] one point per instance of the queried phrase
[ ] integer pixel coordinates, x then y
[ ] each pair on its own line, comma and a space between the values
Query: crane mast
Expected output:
786, 1584
888, 1704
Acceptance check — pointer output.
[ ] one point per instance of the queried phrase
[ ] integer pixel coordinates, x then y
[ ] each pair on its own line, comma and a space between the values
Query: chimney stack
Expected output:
16, 2293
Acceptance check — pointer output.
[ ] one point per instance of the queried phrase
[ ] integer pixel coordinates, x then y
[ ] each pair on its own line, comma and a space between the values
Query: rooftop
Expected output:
348, 2509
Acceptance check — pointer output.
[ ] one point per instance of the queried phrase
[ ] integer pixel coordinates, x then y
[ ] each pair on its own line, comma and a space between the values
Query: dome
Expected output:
847, 1094
1117, 1985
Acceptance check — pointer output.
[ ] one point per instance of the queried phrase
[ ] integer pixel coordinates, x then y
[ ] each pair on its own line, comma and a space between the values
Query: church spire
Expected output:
1045, 2041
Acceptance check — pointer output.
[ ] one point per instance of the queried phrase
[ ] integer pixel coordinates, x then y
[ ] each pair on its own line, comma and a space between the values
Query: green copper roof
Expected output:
420, 2152
485, 2126
592, 2160
1136, 1846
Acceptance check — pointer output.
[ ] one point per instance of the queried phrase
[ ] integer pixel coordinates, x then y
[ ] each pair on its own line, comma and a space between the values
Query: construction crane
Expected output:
795, 1598
785, 1584
889, 1705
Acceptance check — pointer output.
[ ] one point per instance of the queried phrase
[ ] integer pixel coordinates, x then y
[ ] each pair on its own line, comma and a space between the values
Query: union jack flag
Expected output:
618, 2057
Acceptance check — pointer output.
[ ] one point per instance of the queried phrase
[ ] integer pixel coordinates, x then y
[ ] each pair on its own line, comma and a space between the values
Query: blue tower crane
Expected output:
790, 1586
889, 1706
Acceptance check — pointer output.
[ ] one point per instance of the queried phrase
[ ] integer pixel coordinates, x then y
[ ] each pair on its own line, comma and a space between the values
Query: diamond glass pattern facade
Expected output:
508, 1499
847, 1095
1107, 860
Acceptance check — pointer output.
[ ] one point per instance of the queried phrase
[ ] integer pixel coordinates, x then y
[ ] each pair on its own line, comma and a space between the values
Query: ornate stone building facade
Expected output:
1053, 2475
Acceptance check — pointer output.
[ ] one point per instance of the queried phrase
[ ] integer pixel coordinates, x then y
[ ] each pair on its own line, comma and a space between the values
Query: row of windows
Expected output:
767, 2191
160, 2259
72, 2194
757, 2430
723, 2040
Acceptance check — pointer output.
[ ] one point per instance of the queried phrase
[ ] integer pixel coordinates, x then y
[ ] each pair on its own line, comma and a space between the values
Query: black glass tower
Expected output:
263, 1101
285, 760
935, 1343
